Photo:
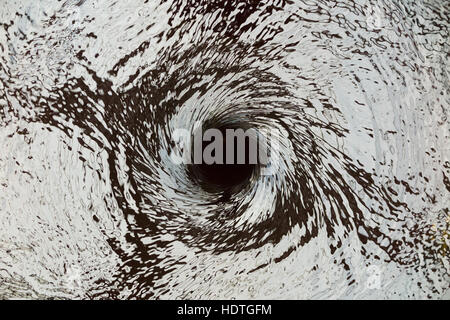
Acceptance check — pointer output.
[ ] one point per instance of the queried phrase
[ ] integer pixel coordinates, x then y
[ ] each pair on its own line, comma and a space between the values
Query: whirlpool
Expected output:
127, 167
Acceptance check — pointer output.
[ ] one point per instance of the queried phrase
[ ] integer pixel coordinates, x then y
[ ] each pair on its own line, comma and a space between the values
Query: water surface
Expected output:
92, 206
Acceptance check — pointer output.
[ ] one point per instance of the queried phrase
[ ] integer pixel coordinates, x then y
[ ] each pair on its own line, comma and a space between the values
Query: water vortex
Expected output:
354, 94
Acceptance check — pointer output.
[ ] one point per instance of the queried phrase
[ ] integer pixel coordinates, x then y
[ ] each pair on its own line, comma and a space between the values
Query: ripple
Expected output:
355, 97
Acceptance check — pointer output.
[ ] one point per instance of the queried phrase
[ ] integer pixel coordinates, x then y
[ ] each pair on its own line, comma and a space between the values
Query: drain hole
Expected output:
228, 158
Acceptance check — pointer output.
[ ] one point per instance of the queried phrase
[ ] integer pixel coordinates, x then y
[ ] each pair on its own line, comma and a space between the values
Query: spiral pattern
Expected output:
355, 95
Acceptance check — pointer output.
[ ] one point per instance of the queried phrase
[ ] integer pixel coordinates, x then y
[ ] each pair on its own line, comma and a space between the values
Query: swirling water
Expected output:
91, 205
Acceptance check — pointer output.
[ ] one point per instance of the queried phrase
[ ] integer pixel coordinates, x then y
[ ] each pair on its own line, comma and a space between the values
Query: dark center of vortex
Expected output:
226, 176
